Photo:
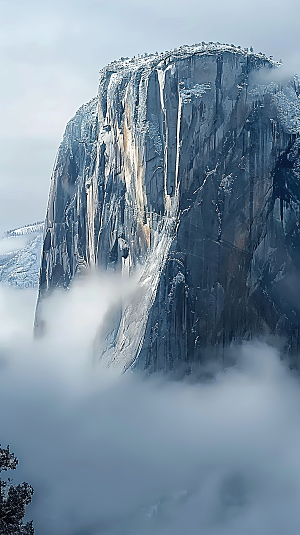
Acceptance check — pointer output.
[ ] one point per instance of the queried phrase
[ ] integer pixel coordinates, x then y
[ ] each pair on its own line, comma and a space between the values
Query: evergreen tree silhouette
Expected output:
13, 499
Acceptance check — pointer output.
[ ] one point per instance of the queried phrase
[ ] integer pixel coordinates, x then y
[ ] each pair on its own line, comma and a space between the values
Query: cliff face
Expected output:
187, 166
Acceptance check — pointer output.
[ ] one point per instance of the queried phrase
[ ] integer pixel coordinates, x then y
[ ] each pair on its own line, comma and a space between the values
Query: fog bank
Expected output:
124, 454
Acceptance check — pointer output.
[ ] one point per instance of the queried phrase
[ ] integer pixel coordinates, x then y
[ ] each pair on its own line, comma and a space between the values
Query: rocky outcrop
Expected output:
186, 167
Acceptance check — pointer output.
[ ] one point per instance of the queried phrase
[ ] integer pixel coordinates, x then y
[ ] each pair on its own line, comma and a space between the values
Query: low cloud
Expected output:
124, 454
280, 74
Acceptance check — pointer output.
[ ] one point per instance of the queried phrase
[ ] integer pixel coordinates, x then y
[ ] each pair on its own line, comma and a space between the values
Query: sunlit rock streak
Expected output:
184, 169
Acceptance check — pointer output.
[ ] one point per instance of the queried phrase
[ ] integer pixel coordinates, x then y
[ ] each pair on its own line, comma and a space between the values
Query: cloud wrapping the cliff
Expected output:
111, 454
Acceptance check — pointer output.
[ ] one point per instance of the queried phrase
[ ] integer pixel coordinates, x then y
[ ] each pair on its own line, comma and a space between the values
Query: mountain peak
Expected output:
185, 170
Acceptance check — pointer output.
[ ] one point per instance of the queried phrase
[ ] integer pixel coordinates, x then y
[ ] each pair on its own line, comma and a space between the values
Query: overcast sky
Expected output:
51, 54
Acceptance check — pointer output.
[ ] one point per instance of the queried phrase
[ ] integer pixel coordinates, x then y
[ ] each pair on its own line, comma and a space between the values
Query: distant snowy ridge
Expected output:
27, 229
20, 266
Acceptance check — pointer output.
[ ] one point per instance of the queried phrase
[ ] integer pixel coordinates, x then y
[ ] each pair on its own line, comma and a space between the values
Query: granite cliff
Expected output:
186, 167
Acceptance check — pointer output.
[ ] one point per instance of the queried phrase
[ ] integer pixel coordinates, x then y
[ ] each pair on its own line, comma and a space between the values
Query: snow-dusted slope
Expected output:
185, 166
20, 255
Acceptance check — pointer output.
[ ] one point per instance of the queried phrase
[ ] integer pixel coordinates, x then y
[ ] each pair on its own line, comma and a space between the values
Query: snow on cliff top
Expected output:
185, 51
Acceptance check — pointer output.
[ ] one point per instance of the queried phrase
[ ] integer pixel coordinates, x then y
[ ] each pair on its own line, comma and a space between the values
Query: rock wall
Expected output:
185, 167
